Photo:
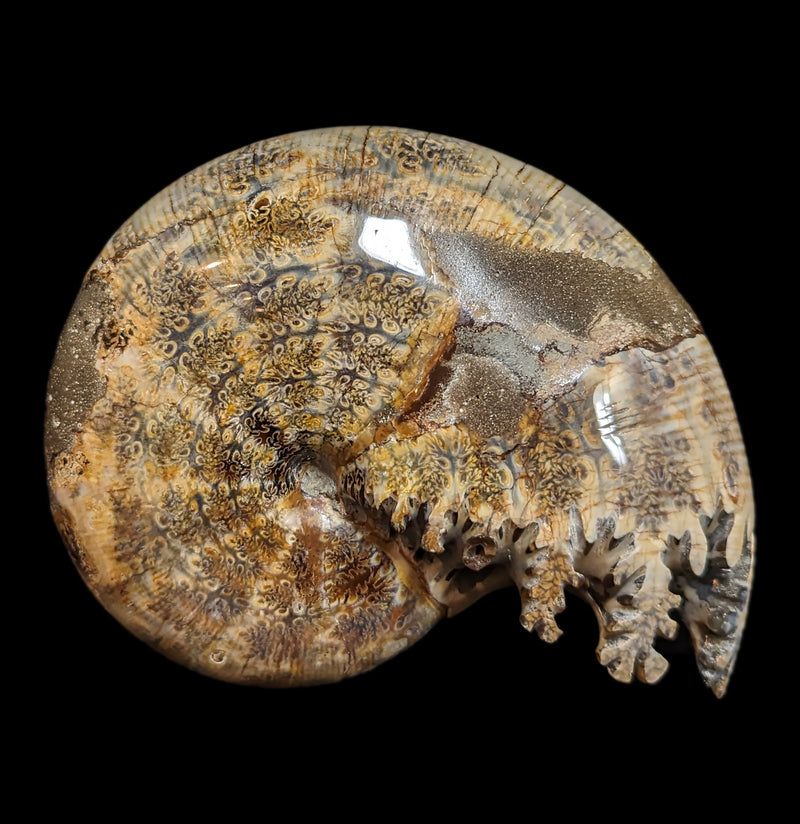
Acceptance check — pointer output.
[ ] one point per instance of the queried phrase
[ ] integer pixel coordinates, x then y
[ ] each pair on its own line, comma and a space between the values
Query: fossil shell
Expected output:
330, 388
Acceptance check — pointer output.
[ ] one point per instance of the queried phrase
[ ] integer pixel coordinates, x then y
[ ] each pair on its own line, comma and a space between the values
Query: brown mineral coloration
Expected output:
330, 388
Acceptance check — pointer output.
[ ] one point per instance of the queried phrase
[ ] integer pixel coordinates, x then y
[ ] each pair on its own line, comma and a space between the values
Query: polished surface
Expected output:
328, 389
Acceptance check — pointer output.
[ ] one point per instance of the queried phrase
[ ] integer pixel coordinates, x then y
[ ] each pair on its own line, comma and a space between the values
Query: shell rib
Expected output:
330, 388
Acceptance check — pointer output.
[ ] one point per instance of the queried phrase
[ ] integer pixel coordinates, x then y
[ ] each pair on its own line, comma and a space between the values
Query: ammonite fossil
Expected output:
333, 387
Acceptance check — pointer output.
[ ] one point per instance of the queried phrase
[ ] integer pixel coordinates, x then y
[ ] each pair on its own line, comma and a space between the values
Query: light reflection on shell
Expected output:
335, 386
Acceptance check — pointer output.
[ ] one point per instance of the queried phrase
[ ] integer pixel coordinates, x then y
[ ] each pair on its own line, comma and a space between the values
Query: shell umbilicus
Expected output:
330, 388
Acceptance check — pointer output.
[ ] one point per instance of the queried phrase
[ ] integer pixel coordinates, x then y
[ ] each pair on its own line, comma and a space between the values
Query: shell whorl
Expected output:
330, 388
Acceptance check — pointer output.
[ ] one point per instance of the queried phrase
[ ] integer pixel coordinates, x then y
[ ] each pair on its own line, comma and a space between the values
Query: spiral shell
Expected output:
330, 388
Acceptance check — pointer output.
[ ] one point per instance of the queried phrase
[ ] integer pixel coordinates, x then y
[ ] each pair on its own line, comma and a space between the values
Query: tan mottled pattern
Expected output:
332, 387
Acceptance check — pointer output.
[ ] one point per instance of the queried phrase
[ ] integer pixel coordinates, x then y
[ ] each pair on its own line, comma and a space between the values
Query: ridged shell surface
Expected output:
330, 388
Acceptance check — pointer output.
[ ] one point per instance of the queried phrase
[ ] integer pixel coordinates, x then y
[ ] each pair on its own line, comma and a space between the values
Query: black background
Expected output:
667, 139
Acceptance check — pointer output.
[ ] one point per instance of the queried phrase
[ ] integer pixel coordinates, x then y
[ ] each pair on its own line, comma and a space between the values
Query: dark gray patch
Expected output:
586, 299
75, 385
506, 346
484, 395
